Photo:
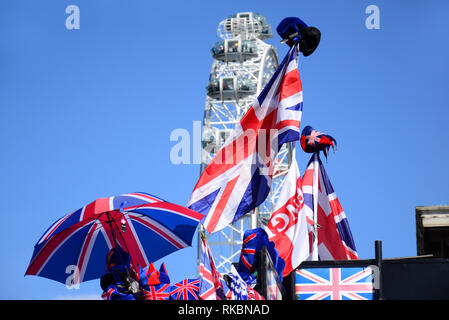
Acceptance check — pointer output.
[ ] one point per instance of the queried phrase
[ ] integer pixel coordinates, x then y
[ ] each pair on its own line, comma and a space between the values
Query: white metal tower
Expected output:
243, 64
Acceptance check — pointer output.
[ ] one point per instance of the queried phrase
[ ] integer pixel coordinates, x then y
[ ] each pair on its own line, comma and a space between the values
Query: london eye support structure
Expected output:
243, 64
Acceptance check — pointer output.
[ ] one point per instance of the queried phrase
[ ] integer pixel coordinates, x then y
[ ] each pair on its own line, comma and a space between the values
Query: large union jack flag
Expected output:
330, 235
334, 284
238, 178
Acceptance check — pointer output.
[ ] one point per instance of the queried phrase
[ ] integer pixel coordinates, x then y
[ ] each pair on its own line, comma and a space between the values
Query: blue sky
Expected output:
88, 113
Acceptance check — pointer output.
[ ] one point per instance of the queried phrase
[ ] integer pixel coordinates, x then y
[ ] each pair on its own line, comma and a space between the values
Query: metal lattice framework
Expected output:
243, 65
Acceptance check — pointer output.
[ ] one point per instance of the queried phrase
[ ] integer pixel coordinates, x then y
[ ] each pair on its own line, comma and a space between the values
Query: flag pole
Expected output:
315, 206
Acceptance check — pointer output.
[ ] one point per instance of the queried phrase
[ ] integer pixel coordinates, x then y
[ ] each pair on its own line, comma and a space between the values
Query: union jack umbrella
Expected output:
187, 289
145, 226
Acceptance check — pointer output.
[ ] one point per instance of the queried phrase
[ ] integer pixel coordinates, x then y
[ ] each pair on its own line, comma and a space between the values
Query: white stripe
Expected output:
359, 275
51, 229
307, 189
292, 65
106, 238
314, 253
144, 198
82, 213
57, 248
178, 213
144, 254
234, 200
220, 181
111, 203
88, 251
291, 101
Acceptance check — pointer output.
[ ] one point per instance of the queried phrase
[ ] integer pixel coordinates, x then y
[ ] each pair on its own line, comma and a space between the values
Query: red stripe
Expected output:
288, 123
329, 236
291, 84
246, 263
307, 179
57, 225
44, 254
102, 205
222, 161
221, 205
249, 238
130, 240
96, 207
335, 207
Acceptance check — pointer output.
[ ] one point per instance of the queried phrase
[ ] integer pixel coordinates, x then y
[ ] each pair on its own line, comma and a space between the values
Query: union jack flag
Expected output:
254, 295
113, 293
329, 233
211, 281
156, 292
187, 289
238, 178
334, 284
247, 254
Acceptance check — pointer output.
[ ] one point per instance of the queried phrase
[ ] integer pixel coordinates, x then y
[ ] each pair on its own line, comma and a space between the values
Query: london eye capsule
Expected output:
234, 50
230, 88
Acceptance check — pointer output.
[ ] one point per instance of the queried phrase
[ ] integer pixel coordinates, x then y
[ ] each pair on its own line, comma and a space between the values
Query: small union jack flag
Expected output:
113, 293
334, 284
157, 292
254, 295
187, 289
211, 281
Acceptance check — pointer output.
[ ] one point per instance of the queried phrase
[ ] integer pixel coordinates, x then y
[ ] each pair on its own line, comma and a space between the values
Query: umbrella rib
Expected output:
97, 218
79, 252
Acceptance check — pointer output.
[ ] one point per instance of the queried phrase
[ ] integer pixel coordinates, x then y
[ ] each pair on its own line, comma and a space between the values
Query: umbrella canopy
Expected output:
145, 226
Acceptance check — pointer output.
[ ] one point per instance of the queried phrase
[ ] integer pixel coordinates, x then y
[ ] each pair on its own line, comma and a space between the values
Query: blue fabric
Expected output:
290, 26
253, 241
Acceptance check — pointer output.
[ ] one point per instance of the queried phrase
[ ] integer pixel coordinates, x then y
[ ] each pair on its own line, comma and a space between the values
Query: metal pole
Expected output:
378, 256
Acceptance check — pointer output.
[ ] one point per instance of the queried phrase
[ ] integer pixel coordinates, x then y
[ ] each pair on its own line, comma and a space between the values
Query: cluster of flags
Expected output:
308, 222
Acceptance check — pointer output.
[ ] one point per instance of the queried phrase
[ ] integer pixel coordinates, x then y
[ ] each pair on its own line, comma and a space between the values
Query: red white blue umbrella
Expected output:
145, 226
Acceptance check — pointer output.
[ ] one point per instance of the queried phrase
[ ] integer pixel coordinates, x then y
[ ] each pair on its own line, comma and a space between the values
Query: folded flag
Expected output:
238, 178
331, 237
287, 227
237, 285
211, 281
253, 241
239, 288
